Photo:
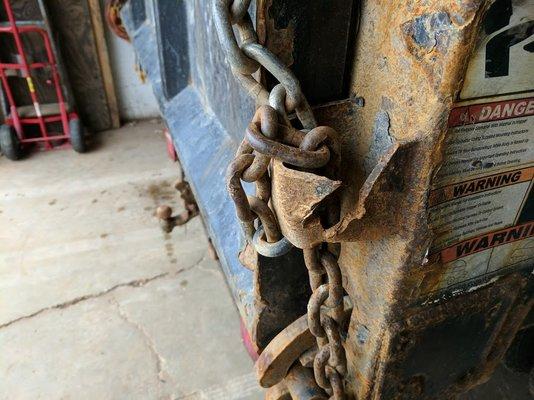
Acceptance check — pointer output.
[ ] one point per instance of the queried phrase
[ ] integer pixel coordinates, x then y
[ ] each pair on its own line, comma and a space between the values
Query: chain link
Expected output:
271, 135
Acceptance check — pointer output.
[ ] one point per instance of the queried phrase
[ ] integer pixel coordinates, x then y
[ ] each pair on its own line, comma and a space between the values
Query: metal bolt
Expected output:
164, 212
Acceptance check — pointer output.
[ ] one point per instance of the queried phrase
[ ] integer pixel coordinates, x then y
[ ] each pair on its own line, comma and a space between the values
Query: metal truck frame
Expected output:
429, 214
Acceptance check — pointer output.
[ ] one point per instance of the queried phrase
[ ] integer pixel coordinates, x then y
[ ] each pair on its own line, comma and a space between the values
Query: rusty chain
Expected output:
271, 135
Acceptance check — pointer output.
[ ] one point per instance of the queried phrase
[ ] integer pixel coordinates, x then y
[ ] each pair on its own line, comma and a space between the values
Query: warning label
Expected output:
481, 203
481, 206
499, 110
481, 184
488, 241
487, 137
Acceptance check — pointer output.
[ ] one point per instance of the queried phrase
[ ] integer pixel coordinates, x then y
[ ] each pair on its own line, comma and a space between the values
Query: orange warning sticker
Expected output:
478, 185
487, 241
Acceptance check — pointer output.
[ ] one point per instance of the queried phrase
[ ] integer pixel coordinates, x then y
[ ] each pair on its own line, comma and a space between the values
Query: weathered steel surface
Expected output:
411, 59
281, 296
296, 195
278, 392
404, 339
293, 345
283, 351
299, 384
314, 37
443, 349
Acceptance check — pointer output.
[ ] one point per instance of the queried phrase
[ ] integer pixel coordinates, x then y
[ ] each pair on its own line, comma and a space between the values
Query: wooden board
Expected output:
103, 59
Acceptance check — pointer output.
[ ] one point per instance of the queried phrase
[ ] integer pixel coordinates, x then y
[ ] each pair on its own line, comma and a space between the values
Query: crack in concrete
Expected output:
135, 283
61, 306
162, 374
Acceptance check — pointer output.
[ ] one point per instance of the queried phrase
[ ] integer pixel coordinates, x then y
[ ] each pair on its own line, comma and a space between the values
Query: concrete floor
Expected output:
95, 301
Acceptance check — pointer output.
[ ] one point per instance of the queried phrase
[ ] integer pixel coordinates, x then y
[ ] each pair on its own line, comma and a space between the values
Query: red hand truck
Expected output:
12, 133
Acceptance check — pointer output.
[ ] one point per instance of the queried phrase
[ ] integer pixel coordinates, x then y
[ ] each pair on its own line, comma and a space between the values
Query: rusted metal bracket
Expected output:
297, 195
164, 212
294, 344
283, 351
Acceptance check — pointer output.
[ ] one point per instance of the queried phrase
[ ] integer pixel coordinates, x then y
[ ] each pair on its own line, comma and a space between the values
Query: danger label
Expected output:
496, 111
481, 205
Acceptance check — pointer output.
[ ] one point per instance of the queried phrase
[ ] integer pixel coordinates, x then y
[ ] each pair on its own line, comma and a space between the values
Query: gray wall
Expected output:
135, 98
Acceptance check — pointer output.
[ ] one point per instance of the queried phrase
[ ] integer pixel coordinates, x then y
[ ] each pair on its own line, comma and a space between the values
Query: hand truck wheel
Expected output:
77, 135
9, 142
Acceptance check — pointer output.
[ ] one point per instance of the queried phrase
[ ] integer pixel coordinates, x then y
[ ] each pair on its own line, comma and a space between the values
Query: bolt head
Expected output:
164, 212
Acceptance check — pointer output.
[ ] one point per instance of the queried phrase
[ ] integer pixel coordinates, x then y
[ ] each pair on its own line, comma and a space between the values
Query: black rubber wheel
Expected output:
9, 143
77, 135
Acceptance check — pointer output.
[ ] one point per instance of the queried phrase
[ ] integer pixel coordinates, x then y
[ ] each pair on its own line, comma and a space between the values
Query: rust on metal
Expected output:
296, 195
248, 257
411, 62
299, 384
267, 218
371, 199
335, 345
164, 212
186, 194
392, 146
296, 343
235, 188
336, 383
280, 40
319, 367
290, 154
318, 298
276, 359
306, 359
278, 392
266, 121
